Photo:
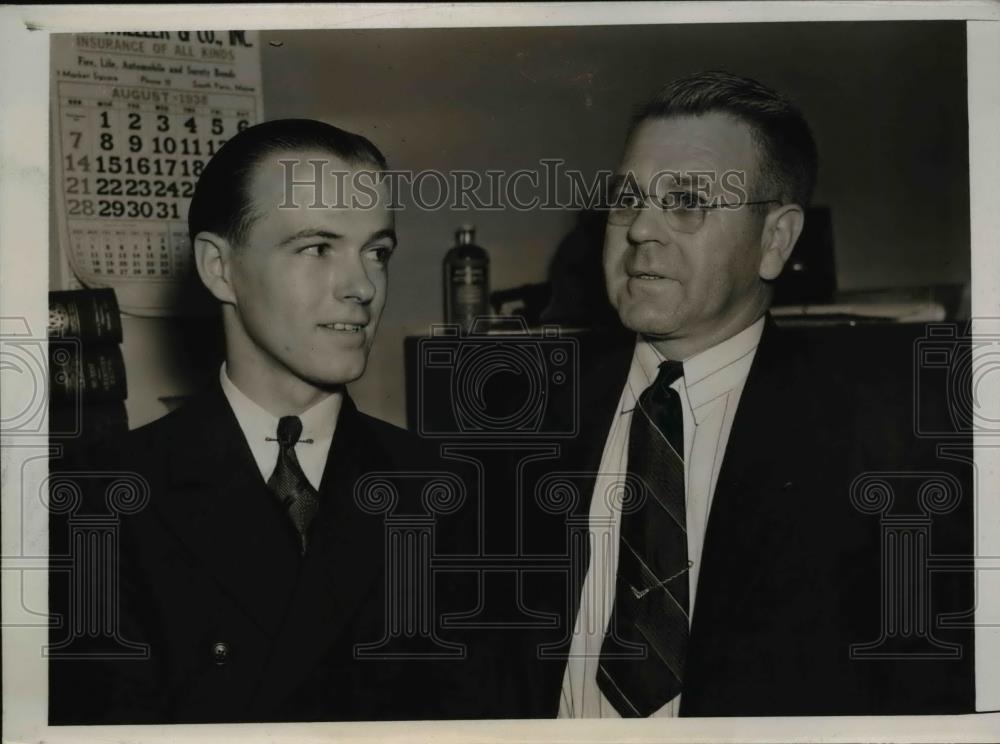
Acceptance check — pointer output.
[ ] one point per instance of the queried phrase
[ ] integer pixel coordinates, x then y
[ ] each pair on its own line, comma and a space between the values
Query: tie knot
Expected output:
659, 398
289, 430
670, 372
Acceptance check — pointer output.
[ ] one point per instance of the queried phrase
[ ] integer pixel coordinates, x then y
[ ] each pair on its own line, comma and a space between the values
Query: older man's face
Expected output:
673, 285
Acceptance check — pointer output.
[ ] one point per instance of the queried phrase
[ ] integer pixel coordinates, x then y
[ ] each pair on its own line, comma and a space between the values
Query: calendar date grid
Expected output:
136, 163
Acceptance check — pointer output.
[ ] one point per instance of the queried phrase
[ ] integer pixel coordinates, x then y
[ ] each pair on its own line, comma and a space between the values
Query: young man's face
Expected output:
309, 282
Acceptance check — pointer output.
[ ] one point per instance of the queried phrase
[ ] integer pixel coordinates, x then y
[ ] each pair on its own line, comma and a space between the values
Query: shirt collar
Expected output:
707, 375
318, 421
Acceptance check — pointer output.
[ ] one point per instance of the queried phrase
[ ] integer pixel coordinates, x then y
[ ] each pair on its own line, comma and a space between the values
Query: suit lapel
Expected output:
754, 507
345, 558
218, 506
756, 477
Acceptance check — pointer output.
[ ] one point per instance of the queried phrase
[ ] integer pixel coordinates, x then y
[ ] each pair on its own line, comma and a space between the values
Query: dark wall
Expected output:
887, 102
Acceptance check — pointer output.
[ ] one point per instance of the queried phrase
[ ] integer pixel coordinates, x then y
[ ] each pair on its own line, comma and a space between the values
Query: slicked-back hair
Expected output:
786, 150
222, 202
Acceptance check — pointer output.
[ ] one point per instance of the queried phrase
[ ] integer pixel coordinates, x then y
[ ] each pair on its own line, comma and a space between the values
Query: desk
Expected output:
499, 380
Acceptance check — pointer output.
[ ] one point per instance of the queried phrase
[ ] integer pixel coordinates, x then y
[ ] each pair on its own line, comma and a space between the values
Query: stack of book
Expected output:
87, 387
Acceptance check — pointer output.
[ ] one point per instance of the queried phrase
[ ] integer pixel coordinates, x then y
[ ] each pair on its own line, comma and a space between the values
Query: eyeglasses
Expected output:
683, 211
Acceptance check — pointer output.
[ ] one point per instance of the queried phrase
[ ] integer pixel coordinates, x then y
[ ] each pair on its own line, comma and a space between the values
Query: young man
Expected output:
257, 569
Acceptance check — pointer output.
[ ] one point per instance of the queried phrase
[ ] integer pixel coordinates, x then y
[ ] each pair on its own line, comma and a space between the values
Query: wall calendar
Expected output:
135, 117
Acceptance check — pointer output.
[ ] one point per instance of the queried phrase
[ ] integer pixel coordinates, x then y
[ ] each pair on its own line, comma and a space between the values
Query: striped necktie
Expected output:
289, 484
643, 652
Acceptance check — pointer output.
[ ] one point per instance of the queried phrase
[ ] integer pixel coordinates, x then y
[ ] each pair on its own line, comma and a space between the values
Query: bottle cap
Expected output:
465, 234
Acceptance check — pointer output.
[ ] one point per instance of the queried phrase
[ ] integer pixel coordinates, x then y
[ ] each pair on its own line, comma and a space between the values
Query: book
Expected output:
90, 373
87, 314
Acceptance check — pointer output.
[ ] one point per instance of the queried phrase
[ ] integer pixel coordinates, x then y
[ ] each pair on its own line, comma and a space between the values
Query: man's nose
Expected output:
351, 281
648, 225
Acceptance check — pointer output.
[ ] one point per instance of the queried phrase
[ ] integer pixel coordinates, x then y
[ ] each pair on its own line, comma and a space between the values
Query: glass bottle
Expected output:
466, 280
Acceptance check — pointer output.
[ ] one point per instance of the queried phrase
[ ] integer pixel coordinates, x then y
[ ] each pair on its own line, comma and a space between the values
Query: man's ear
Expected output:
782, 228
213, 257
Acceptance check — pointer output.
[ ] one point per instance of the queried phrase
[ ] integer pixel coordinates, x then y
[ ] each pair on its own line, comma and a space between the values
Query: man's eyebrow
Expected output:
309, 232
679, 180
387, 232
312, 232
618, 180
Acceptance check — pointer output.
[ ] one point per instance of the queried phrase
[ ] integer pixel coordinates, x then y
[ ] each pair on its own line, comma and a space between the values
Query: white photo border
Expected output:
24, 282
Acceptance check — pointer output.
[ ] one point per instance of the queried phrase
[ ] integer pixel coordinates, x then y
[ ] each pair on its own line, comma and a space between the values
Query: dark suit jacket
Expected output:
238, 626
792, 574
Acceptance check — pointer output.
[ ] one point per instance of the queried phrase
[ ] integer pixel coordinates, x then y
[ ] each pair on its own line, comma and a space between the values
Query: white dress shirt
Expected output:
709, 392
260, 428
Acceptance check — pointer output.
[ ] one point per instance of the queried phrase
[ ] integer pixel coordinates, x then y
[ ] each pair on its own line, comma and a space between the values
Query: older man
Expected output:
726, 569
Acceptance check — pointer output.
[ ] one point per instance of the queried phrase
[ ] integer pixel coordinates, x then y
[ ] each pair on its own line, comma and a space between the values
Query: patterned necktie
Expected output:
289, 483
643, 652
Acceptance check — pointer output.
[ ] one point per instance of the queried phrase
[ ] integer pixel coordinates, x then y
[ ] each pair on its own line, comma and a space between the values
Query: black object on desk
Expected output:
484, 385
498, 378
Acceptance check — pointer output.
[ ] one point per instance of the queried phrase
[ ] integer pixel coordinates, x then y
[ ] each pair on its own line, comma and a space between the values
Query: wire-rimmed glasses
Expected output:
684, 211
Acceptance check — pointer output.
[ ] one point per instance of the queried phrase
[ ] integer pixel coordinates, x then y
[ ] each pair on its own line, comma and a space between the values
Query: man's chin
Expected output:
332, 379
649, 324
333, 382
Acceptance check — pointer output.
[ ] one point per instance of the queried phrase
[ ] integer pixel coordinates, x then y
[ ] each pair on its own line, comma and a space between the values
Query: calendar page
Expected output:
136, 116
